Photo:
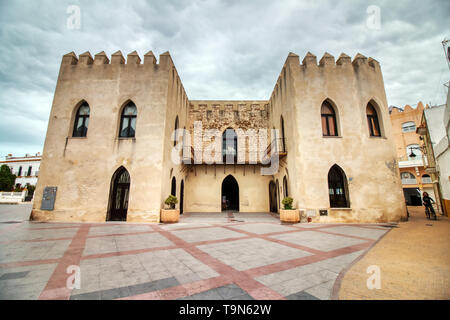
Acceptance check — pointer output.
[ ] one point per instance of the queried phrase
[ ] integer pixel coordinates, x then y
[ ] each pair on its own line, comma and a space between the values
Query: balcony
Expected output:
426, 180
409, 181
407, 162
275, 149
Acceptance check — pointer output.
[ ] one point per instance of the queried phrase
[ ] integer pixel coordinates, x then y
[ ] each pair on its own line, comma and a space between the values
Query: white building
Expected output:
25, 168
442, 155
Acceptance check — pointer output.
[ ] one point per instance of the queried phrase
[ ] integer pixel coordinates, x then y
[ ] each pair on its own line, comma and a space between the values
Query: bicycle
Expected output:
431, 214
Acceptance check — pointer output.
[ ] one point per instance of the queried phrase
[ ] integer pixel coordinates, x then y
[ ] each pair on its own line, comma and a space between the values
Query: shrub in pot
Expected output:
170, 215
288, 213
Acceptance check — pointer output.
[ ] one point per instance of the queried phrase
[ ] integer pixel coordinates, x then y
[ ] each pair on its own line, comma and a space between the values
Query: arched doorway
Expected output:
278, 195
273, 197
181, 196
119, 193
337, 188
230, 194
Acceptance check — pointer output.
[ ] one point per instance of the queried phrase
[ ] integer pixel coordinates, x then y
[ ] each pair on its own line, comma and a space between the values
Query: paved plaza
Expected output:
220, 256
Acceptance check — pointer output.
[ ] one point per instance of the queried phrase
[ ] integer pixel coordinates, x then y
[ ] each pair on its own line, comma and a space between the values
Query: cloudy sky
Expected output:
230, 49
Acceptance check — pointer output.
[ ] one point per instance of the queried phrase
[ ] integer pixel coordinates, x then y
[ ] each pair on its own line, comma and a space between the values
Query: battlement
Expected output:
327, 64
117, 58
228, 105
327, 60
103, 67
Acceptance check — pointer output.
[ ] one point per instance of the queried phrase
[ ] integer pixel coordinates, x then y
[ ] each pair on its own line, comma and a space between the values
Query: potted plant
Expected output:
170, 214
289, 214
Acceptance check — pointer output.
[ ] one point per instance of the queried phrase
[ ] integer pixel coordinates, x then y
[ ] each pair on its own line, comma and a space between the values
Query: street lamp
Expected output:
413, 155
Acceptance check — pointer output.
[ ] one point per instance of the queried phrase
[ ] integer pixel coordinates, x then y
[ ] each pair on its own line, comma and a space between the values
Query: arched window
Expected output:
285, 187
229, 146
372, 120
408, 178
338, 188
175, 132
414, 152
426, 179
329, 124
407, 175
283, 138
173, 190
128, 121
81, 124
409, 126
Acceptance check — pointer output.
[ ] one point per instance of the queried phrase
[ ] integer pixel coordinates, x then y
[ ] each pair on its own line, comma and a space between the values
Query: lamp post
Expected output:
413, 155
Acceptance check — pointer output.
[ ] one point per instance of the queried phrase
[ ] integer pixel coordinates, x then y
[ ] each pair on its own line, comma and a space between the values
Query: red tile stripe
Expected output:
56, 287
254, 288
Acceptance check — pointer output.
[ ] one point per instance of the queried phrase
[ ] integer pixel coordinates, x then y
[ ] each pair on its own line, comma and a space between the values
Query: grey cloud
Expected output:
222, 49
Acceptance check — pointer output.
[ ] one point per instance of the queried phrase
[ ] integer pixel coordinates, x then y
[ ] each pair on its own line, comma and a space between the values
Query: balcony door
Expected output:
120, 190
337, 188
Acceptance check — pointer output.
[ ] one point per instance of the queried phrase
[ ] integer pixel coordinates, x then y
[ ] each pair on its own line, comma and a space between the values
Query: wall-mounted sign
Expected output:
48, 198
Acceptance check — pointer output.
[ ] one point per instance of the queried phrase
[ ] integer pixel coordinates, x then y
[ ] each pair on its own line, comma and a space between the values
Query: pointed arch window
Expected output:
329, 124
175, 132
173, 189
81, 124
372, 120
285, 187
128, 121
283, 139
229, 146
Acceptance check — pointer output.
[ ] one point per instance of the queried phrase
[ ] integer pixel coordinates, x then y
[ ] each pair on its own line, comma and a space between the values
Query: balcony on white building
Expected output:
409, 181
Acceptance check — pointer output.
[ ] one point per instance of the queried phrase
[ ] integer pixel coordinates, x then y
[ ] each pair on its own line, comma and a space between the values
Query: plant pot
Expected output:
291, 216
170, 215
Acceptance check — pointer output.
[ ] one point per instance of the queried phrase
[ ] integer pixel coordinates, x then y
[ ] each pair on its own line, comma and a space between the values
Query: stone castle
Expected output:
108, 153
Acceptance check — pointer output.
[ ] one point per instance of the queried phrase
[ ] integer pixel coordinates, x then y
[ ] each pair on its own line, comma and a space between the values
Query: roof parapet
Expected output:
149, 58
359, 60
373, 63
133, 58
117, 58
327, 60
343, 60
70, 59
101, 58
309, 60
165, 60
86, 58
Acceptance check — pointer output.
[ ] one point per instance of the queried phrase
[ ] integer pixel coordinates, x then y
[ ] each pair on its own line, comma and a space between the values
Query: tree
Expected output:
7, 179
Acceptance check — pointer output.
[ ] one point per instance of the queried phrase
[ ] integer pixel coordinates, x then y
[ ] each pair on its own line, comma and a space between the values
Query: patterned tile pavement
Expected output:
221, 256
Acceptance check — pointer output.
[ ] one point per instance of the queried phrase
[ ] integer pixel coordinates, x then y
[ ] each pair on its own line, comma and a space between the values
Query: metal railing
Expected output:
277, 146
409, 181
426, 180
